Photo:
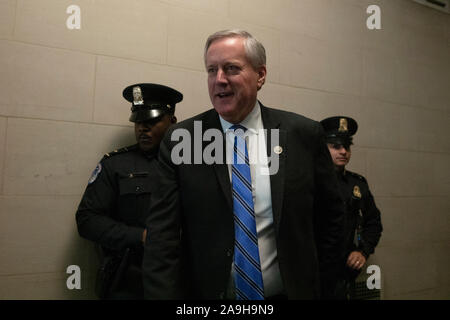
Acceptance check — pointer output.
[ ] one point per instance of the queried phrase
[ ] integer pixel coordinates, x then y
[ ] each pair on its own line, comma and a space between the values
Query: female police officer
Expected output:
363, 224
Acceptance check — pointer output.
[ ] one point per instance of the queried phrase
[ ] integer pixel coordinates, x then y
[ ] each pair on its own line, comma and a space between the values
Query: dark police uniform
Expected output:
116, 202
362, 222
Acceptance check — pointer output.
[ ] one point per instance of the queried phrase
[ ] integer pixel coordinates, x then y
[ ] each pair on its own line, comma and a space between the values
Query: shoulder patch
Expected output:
95, 173
119, 151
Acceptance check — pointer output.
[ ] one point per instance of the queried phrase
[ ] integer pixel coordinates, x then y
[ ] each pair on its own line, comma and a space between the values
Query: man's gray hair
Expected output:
254, 50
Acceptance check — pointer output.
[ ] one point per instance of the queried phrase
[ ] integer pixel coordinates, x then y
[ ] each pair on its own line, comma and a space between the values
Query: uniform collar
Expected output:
149, 155
342, 174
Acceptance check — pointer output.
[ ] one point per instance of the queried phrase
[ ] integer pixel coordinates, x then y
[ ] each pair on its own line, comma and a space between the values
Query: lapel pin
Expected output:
278, 149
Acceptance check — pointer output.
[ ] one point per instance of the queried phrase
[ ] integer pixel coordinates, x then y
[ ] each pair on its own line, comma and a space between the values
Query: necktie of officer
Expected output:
248, 276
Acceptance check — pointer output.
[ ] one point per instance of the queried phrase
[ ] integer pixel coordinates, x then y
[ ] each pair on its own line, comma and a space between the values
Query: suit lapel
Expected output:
270, 121
221, 170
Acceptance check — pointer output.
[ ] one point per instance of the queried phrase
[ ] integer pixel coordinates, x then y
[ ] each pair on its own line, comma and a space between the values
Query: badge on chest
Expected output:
356, 192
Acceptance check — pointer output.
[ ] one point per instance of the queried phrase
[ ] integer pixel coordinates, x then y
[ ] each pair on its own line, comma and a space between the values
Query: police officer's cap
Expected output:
339, 129
150, 101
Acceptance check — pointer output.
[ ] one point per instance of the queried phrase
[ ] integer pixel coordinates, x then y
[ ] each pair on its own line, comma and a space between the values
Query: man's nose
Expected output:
221, 77
144, 127
342, 150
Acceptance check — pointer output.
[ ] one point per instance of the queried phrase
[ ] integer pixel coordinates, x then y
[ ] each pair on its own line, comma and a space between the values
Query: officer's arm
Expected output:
372, 227
94, 214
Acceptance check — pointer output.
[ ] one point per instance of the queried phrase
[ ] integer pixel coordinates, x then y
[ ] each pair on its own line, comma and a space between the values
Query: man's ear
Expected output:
262, 72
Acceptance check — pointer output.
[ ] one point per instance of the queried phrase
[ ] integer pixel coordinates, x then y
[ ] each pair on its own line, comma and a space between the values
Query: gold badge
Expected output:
278, 149
342, 125
137, 96
357, 192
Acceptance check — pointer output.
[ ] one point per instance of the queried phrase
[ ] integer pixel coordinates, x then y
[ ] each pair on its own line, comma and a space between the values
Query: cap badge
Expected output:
137, 96
356, 192
343, 125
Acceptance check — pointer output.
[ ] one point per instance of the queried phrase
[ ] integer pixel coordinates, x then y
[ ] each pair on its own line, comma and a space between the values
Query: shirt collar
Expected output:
253, 121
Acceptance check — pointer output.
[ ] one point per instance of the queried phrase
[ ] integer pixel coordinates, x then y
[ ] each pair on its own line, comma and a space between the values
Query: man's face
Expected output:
233, 83
150, 132
340, 154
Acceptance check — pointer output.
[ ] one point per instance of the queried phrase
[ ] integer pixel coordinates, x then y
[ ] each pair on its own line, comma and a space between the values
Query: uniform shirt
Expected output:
359, 203
116, 201
262, 200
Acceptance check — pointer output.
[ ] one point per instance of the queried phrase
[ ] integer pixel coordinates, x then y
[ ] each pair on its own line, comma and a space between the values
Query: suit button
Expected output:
229, 253
222, 295
138, 188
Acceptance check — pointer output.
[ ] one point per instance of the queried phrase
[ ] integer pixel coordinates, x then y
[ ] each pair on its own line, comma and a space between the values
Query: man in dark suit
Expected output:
260, 226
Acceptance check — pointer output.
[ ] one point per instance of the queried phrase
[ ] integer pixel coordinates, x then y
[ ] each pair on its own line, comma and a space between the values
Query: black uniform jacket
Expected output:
116, 201
190, 239
362, 214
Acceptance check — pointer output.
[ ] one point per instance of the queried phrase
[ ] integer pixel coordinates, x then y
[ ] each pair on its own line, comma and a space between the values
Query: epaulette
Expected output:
360, 177
119, 151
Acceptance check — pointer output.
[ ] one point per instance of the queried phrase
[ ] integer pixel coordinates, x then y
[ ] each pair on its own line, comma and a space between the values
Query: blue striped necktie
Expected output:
248, 276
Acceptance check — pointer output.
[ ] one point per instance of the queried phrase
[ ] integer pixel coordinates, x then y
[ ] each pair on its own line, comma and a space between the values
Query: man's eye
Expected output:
211, 70
232, 69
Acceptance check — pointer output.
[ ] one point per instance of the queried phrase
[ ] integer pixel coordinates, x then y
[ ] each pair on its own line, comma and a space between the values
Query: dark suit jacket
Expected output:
189, 248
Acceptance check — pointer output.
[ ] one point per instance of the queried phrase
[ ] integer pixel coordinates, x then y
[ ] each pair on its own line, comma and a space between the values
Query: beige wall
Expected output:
61, 108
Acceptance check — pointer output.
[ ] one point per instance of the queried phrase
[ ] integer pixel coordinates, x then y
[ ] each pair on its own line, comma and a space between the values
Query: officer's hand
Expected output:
144, 236
356, 260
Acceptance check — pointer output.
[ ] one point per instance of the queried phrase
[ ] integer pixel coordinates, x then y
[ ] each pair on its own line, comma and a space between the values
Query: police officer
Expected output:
116, 201
363, 224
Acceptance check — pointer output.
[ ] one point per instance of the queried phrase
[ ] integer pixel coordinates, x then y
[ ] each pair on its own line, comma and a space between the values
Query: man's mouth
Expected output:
224, 94
145, 138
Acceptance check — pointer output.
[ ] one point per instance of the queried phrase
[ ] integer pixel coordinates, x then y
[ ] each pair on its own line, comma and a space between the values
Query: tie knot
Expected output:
238, 126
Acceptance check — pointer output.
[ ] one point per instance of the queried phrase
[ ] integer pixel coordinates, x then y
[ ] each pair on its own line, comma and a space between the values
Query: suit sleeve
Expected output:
94, 215
162, 251
329, 210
